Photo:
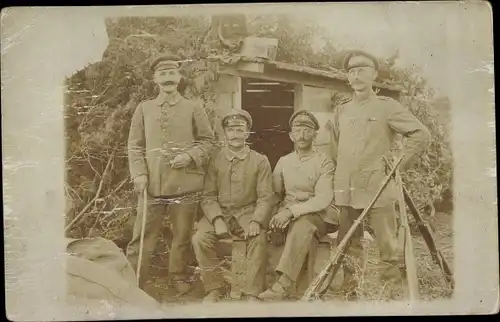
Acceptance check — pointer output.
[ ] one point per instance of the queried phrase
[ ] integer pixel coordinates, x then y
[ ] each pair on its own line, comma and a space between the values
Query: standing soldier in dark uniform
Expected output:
303, 187
364, 129
237, 201
169, 143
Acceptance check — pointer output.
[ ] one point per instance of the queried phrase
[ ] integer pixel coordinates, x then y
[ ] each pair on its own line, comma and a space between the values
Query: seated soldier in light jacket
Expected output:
236, 201
303, 186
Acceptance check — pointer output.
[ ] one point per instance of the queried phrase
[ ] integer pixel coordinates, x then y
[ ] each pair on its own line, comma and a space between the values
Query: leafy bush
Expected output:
101, 98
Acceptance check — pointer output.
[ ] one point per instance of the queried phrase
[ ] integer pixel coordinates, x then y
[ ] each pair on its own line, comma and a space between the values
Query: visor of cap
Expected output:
172, 60
303, 122
235, 121
167, 65
238, 114
373, 62
304, 117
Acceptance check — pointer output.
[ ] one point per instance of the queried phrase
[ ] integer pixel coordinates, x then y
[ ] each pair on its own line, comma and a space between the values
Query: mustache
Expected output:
169, 83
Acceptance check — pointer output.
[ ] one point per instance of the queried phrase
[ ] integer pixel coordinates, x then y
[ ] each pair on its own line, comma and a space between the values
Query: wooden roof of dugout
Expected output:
332, 74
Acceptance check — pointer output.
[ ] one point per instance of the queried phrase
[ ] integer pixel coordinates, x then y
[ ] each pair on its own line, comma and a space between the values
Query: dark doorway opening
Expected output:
271, 105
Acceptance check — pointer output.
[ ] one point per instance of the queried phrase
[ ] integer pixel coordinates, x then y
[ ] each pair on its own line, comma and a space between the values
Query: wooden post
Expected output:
298, 98
237, 94
409, 256
437, 256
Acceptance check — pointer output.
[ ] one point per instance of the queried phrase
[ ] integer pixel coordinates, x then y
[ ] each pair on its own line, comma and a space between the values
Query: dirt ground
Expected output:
431, 280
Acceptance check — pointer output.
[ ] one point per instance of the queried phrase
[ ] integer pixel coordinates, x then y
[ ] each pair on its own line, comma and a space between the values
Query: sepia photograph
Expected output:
231, 158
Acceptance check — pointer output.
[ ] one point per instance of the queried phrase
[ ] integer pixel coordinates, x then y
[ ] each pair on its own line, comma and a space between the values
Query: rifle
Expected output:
322, 281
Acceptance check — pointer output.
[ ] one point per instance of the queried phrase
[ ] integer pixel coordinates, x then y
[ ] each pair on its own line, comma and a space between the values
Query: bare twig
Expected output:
70, 189
381, 292
91, 166
117, 188
92, 202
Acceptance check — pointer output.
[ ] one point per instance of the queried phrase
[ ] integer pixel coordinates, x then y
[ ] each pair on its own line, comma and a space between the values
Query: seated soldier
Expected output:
237, 201
303, 186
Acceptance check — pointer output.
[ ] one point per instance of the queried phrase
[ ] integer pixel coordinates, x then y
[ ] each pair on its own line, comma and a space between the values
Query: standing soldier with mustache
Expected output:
364, 130
170, 141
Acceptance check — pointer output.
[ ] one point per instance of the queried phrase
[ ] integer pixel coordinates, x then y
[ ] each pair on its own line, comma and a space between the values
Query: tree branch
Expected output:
82, 212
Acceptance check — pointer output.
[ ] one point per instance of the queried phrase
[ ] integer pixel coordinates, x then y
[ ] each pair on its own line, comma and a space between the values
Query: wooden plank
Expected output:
250, 66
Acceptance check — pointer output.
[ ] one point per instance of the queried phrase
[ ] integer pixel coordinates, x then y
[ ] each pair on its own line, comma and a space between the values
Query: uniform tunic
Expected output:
161, 130
363, 133
304, 184
237, 181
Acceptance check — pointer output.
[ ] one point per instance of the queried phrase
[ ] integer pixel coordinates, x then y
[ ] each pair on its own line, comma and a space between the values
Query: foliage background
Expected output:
101, 98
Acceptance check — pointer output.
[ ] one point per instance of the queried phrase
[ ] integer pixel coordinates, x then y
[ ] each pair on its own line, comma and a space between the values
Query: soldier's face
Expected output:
236, 135
302, 137
167, 79
362, 77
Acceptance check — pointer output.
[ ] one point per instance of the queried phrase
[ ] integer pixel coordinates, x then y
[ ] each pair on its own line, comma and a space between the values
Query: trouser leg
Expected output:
154, 220
354, 255
256, 261
301, 234
182, 219
256, 255
205, 244
383, 222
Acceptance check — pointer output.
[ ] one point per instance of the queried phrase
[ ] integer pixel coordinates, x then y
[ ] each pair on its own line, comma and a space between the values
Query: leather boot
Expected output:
214, 295
277, 292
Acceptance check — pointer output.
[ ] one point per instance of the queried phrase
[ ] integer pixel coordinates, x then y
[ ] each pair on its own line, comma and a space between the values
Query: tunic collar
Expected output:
305, 157
172, 100
366, 100
231, 155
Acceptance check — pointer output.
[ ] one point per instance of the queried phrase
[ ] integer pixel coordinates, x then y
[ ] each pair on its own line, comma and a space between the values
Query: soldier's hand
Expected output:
181, 160
221, 229
281, 219
140, 183
253, 229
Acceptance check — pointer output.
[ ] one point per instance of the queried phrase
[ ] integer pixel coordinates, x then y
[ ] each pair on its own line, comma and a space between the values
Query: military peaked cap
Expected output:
304, 118
236, 113
171, 61
356, 53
